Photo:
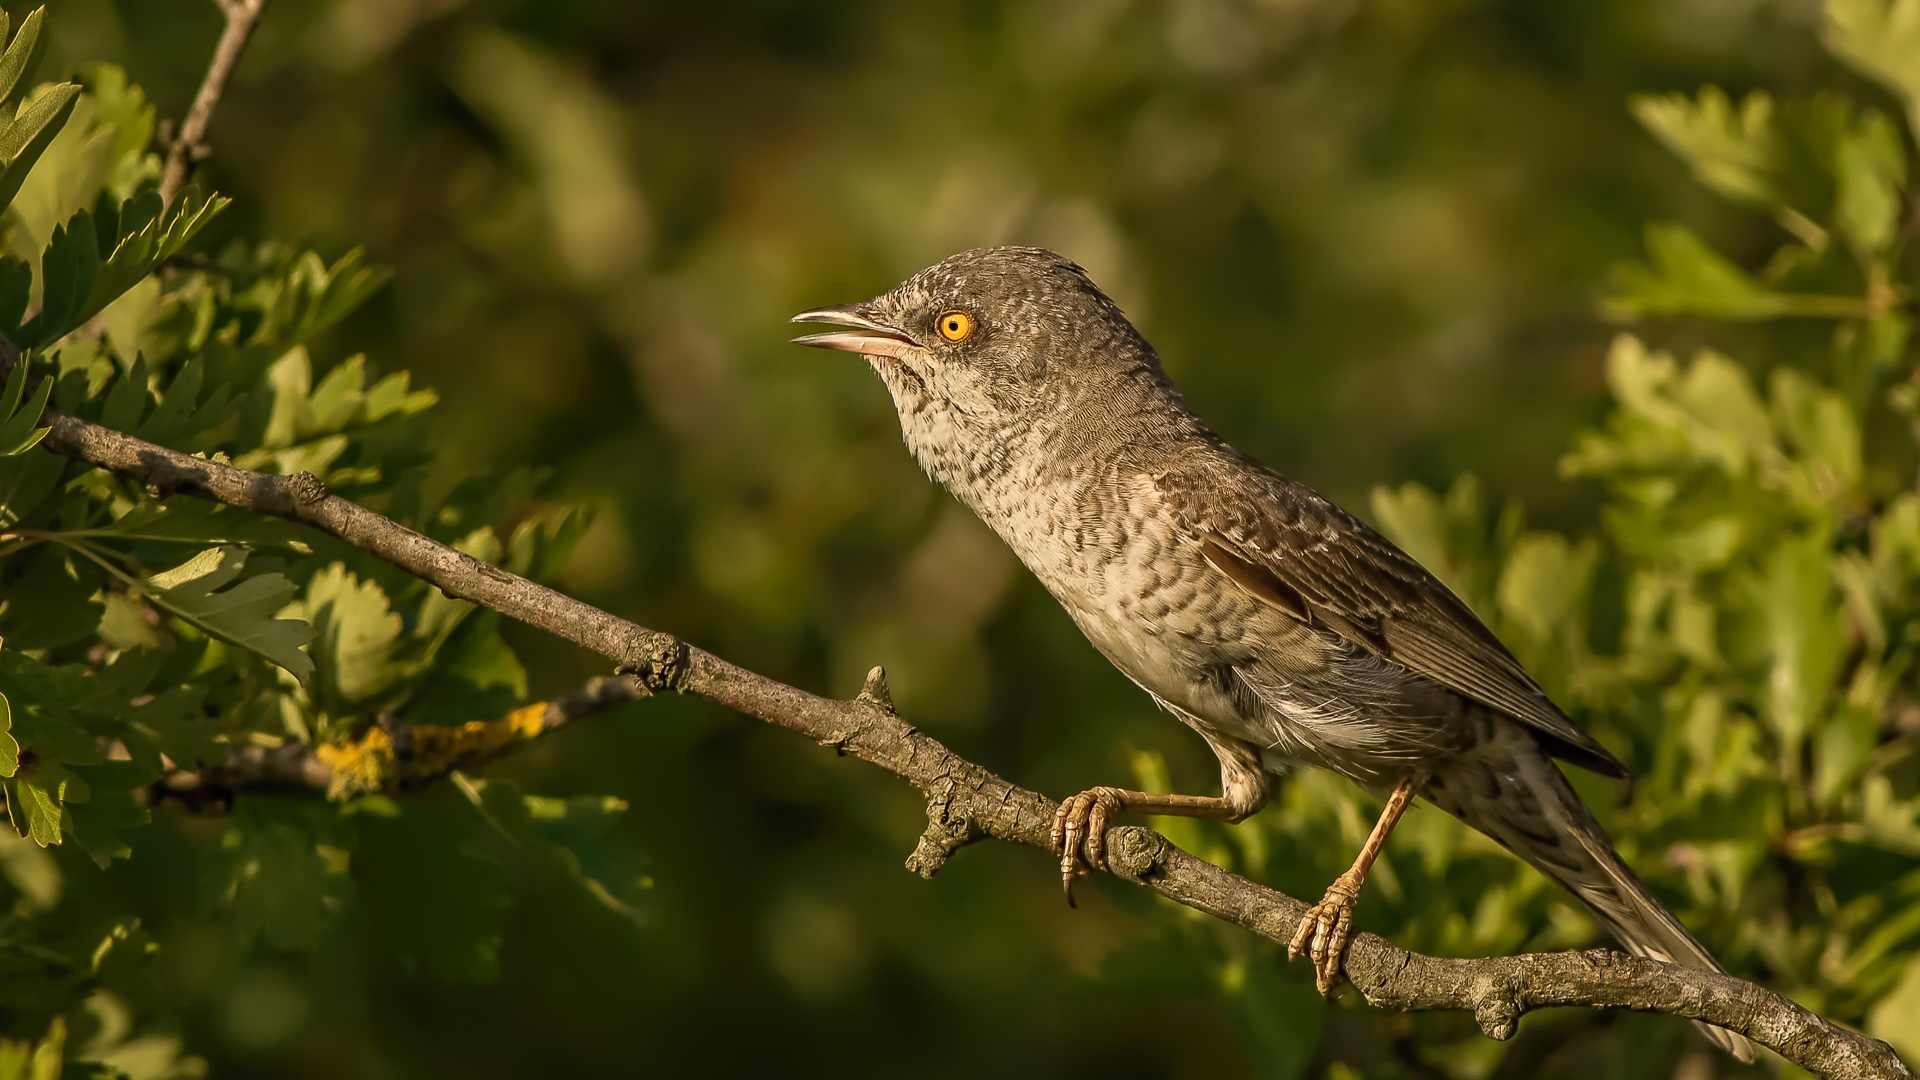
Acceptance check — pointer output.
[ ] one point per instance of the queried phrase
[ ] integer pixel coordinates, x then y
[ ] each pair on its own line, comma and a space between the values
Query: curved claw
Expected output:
1080, 834
1323, 933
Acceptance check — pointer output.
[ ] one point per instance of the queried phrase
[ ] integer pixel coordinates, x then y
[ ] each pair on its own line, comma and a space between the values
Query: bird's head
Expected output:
991, 337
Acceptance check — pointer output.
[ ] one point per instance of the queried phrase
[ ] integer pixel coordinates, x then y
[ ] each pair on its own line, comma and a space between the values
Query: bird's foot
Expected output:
1324, 929
1080, 834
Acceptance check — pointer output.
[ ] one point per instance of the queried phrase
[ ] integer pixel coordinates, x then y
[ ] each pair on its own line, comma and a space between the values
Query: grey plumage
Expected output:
1280, 628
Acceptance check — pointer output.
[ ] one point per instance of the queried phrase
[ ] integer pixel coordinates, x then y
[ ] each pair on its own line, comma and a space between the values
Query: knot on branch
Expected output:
1135, 852
945, 834
1496, 1007
657, 662
307, 488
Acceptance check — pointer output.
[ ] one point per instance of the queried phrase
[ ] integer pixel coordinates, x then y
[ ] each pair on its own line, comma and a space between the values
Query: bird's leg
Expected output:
1082, 822
1326, 925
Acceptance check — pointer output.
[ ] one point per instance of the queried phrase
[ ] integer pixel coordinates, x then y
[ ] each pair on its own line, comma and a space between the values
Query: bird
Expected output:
1279, 627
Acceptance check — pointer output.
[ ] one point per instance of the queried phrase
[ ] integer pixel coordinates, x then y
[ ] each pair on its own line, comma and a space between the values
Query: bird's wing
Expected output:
1282, 543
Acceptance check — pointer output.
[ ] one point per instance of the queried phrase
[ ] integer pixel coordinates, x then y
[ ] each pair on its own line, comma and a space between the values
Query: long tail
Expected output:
1508, 788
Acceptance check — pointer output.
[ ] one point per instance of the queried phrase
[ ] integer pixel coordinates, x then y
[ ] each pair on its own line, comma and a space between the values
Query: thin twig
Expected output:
966, 803
190, 146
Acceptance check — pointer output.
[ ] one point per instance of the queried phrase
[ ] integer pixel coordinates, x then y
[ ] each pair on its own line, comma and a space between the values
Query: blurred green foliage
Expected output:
1370, 240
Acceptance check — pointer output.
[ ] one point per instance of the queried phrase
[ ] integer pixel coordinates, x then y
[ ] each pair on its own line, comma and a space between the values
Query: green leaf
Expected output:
9, 748
1896, 1017
17, 431
241, 615
569, 835
1870, 169
335, 290
1279, 1018
126, 402
1881, 39
1825, 433
281, 887
181, 519
44, 698
435, 900
146, 236
543, 542
80, 281
25, 482
34, 805
354, 634
1545, 583
1733, 151
1688, 278
181, 415
1805, 634
51, 603
22, 53
16, 289
67, 270
30, 133
390, 397
111, 810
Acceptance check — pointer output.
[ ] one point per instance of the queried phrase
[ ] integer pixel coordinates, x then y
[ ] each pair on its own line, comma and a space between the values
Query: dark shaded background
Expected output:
1367, 238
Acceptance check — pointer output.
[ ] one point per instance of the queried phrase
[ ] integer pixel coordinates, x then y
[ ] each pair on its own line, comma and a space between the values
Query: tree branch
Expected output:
190, 145
967, 803
388, 756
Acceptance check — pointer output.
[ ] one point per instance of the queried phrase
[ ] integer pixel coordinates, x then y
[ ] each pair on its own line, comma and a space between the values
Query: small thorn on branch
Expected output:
875, 691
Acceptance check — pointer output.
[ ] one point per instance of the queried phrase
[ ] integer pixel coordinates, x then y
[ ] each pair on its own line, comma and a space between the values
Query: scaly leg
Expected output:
1082, 821
1328, 923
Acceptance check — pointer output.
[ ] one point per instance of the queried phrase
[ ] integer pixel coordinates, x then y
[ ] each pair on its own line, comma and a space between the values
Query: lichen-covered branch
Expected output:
387, 757
967, 803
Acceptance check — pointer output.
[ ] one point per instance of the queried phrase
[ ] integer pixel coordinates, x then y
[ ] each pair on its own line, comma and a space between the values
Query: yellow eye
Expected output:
956, 325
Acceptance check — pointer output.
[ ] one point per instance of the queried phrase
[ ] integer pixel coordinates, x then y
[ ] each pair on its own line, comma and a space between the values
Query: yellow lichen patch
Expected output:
436, 749
359, 767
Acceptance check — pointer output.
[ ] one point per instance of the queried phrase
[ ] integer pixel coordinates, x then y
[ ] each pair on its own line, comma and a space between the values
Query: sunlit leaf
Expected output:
22, 52
1881, 38
1870, 170
242, 615
9, 748
1685, 277
354, 633
1732, 150
32, 129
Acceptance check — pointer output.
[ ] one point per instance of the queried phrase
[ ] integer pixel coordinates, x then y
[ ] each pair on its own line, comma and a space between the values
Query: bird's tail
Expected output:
1512, 791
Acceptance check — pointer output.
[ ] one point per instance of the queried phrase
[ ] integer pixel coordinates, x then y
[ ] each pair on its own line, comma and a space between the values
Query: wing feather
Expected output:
1290, 548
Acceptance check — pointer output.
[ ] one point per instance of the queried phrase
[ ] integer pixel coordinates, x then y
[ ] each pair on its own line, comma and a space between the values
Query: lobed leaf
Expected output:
1685, 277
1881, 39
242, 615
1734, 151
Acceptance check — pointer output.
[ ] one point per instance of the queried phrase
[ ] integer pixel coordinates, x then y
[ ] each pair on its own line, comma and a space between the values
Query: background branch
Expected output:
388, 756
967, 803
190, 144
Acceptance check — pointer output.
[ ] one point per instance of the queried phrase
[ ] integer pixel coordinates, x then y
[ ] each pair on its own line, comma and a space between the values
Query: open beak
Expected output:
868, 336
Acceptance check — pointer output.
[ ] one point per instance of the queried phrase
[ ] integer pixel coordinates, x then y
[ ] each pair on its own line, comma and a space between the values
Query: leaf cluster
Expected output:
143, 639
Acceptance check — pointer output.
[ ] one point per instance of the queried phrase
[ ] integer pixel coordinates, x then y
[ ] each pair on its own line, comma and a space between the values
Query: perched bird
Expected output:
1279, 627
